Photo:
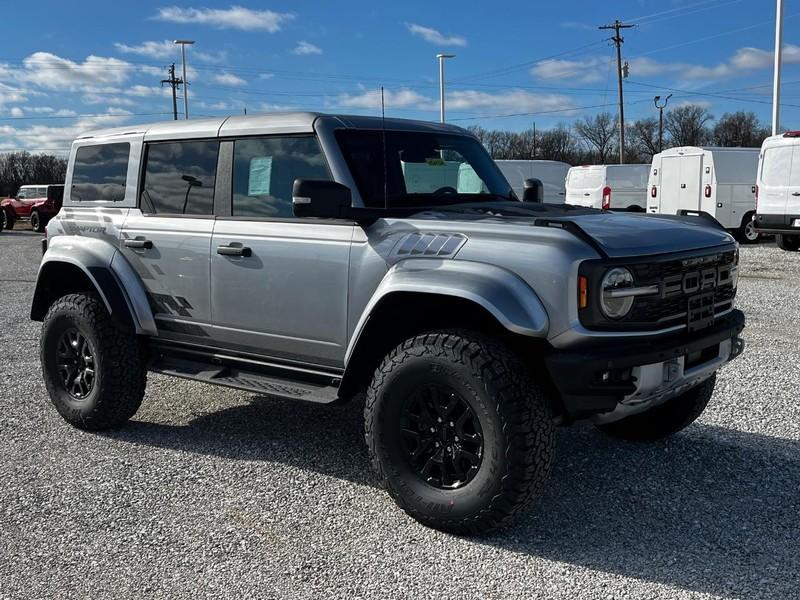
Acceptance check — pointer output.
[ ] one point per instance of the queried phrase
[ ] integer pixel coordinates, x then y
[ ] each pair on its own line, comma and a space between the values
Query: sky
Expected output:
66, 67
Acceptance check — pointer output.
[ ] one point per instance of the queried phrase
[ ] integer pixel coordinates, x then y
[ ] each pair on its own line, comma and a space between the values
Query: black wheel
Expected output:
8, 220
747, 234
790, 243
94, 372
665, 419
635, 208
459, 433
37, 223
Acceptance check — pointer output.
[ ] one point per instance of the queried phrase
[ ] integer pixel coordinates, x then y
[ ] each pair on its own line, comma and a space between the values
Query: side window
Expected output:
100, 172
179, 178
776, 166
264, 170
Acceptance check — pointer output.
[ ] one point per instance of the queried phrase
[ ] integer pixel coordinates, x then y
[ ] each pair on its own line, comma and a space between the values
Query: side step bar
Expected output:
244, 379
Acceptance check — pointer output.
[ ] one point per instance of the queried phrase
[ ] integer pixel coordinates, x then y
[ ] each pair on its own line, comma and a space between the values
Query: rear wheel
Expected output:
747, 234
460, 434
94, 372
790, 243
37, 223
8, 220
665, 419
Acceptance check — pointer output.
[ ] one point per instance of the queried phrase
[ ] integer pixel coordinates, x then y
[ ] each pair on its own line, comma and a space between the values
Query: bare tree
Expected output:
21, 168
598, 132
739, 129
642, 139
686, 125
559, 143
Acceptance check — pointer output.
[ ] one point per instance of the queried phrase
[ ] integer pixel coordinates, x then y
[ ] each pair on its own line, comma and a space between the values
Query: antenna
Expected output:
385, 158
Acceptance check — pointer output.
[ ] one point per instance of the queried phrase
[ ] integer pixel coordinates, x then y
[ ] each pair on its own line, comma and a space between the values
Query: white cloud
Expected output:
16, 111
429, 34
229, 79
267, 76
235, 17
11, 95
49, 71
402, 98
304, 48
167, 49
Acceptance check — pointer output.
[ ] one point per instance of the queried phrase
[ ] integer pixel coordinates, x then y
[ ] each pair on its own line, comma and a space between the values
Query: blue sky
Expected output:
70, 67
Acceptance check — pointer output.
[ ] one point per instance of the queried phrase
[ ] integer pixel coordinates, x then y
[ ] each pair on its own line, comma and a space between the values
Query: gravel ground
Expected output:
216, 493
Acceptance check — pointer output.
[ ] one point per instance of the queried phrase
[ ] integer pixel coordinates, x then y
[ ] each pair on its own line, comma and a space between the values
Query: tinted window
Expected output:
776, 165
420, 168
179, 178
264, 170
100, 172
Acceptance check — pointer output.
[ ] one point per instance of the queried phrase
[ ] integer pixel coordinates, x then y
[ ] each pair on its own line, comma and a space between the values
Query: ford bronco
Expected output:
323, 258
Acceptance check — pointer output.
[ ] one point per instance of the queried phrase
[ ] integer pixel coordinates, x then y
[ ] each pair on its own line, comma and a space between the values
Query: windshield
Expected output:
420, 168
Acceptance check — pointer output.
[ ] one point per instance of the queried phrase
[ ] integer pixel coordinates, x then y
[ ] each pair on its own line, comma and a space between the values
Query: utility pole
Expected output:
661, 108
534, 140
618, 41
183, 44
441, 58
173, 82
776, 80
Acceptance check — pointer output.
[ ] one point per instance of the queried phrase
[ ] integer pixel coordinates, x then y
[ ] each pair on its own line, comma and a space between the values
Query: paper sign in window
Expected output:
260, 175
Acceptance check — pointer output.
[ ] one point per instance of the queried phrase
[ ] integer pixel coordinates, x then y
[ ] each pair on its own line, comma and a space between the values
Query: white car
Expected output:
609, 187
718, 181
778, 189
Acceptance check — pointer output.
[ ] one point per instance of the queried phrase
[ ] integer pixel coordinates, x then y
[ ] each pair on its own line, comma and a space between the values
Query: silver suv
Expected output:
324, 258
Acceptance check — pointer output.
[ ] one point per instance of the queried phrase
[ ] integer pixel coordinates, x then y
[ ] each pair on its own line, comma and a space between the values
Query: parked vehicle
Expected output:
609, 187
34, 203
718, 181
551, 173
778, 190
472, 324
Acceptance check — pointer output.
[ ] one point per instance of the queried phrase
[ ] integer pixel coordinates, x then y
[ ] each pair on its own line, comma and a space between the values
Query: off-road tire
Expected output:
665, 419
746, 231
119, 364
37, 223
8, 220
515, 417
790, 243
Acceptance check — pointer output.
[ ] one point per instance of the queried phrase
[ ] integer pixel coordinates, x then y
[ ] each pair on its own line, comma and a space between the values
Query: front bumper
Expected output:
621, 376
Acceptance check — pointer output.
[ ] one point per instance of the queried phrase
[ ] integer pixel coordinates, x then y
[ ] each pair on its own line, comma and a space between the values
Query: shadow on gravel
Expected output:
711, 510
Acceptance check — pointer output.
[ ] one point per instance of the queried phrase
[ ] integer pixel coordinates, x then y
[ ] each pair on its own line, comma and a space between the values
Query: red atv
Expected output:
36, 203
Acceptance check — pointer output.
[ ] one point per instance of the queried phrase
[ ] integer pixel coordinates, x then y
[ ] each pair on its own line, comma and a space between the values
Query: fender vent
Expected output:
430, 244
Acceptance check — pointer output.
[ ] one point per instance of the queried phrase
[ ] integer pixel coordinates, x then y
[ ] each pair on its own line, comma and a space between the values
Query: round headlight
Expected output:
616, 306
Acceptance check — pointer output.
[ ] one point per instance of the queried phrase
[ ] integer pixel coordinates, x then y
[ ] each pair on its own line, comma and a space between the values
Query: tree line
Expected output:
595, 139
24, 168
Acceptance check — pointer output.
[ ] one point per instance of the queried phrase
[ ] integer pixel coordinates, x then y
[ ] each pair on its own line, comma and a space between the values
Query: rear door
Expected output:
585, 186
168, 239
690, 182
670, 192
775, 176
278, 283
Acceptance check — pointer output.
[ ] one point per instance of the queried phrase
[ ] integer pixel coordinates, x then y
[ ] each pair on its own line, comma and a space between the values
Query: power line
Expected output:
618, 41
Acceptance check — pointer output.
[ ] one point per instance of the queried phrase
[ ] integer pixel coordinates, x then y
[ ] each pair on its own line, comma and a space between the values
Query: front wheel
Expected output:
94, 372
747, 234
790, 243
460, 434
37, 223
8, 220
665, 419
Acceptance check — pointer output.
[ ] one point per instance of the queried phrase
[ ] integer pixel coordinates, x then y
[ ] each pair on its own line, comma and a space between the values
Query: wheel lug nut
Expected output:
456, 438
433, 430
439, 419
437, 444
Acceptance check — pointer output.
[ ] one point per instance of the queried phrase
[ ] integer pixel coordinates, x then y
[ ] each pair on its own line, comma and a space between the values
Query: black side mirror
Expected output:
533, 191
320, 198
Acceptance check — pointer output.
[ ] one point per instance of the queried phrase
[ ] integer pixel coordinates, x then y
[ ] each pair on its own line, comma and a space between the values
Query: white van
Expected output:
778, 189
610, 187
551, 173
717, 181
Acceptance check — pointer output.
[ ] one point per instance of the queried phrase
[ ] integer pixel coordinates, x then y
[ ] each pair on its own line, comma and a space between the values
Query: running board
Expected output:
249, 381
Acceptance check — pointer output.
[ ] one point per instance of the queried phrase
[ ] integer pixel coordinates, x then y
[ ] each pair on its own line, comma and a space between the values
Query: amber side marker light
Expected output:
583, 296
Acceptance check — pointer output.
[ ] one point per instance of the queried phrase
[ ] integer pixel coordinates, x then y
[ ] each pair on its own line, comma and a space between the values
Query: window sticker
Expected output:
260, 175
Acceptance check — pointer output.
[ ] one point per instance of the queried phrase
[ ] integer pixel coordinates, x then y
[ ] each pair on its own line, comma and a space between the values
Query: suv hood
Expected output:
618, 234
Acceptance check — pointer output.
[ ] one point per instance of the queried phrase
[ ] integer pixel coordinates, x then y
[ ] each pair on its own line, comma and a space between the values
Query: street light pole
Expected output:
441, 58
183, 44
661, 108
776, 79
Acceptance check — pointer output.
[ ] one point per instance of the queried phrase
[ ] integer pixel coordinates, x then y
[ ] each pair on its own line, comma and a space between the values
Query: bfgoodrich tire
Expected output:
94, 372
665, 419
790, 243
459, 433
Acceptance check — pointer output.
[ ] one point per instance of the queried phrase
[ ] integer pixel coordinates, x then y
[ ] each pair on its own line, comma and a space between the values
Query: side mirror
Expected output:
533, 191
320, 198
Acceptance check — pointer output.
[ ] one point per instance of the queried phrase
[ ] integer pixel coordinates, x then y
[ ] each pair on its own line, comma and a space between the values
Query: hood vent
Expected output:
436, 245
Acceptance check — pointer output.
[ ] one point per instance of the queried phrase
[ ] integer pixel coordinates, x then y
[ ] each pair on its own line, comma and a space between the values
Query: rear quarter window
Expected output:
100, 172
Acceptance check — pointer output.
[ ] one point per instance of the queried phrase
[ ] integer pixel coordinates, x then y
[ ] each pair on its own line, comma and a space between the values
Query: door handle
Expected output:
683, 186
234, 251
795, 193
585, 194
146, 244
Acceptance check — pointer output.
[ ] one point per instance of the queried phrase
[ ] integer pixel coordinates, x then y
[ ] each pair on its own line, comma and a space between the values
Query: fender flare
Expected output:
500, 292
110, 274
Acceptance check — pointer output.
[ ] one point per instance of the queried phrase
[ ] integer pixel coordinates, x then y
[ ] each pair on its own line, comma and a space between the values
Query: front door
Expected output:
168, 239
279, 284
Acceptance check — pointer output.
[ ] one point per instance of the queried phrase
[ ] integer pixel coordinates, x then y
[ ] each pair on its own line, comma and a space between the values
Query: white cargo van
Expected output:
610, 187
717, 181
778, 189
551, 173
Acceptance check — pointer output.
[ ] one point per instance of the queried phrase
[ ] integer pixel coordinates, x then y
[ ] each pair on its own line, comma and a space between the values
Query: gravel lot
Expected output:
217, 493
